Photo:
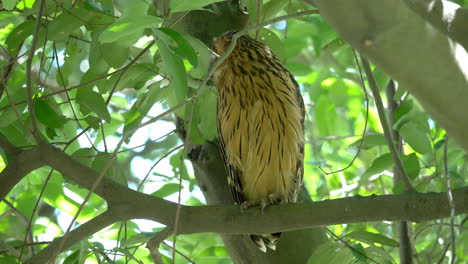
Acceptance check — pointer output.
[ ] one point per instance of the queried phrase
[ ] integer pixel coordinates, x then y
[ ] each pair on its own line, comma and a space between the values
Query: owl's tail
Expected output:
266, 240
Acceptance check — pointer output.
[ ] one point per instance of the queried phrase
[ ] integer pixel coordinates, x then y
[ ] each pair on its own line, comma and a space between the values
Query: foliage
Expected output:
103, 68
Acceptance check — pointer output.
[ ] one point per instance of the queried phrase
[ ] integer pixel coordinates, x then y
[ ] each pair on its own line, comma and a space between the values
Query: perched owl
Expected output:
260, 117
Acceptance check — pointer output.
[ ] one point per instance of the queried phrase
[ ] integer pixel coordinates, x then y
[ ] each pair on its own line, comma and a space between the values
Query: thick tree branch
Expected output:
19, 166
424, 60
446, 16
8, 147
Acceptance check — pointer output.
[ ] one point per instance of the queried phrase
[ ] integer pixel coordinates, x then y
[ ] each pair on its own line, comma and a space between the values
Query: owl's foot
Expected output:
247, 205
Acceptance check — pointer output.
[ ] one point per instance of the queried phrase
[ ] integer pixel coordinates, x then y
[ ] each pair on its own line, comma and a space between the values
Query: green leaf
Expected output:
416, 137
128, 30
381, 78
271, 8
370, 238
184, 5
47, 115
380, 164
359, 252
92, 102
135, 77
183, 47
70, 72
207, 105
93, 121
174, 66
325, 116
273, 42
370, 141
174, 160
412, 167
166, 190
18, 35
137, 239
73, 258
142, 106
115, 55
403, 109
331, 253
338, 91
9, 4
97, 66
61, 27
93, 6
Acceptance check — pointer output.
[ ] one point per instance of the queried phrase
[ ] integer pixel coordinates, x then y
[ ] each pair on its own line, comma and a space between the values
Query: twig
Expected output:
155, 241
450, 202
59, 71
387, 132
35, 128
365, 124
156, 163
349, 246
180, 253
460, 226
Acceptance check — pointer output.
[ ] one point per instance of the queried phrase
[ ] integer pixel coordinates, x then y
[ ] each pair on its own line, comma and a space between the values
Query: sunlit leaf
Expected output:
9, 4
412, 167
325, 116
166, 190
92, 102
183, 5
416, 137
380, 164
207, 105
127, 30
370, 238
273, 42
174, 66
183, 47
370, 141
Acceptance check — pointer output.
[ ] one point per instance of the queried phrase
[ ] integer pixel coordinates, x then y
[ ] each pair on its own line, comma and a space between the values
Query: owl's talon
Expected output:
275, 198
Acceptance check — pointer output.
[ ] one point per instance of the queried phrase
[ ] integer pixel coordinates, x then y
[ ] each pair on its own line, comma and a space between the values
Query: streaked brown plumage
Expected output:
260, 126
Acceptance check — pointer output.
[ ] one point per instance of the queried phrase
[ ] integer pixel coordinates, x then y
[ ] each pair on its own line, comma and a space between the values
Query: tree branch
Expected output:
423, 60
229, 220
35, 128
446, 16
19, 166
6, 145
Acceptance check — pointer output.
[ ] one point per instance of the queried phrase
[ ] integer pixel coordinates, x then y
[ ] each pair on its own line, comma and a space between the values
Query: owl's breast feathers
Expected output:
260, 122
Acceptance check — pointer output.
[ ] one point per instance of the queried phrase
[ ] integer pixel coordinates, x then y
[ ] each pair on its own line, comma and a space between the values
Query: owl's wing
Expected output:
300, 163
234, 173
